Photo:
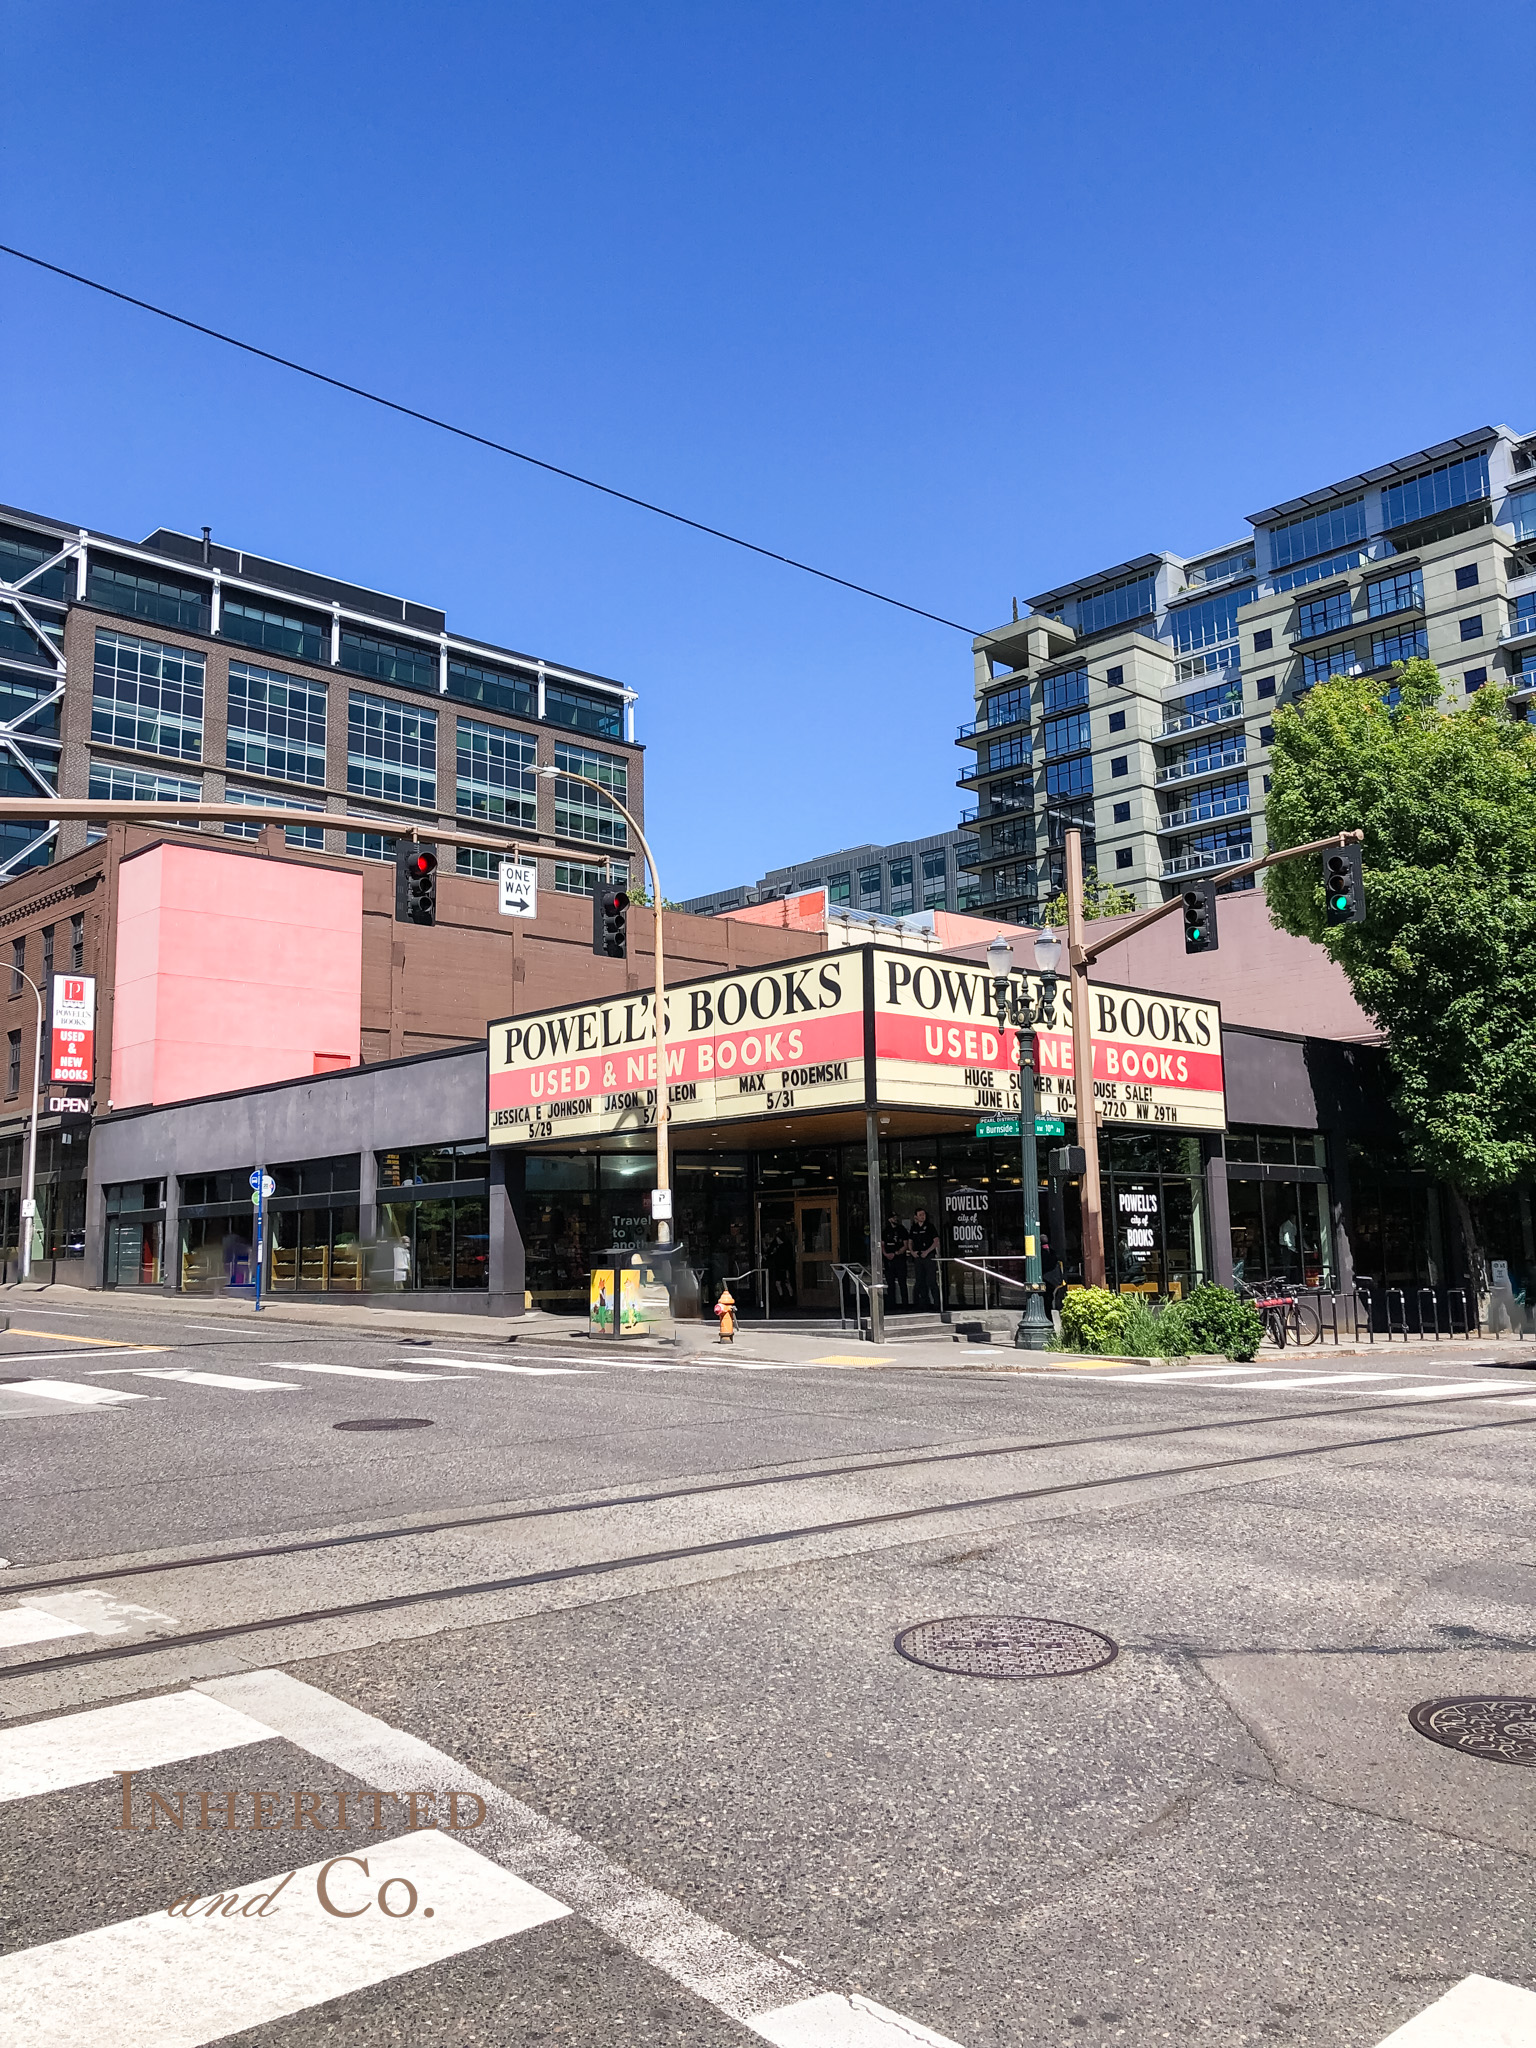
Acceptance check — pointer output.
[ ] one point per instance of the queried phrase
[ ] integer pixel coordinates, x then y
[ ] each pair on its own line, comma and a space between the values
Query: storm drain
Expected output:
386, 1422
1502, 1730
1005, 1646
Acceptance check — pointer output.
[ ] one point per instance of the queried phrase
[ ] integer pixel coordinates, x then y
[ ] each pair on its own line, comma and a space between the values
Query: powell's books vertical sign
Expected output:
72, 1046
842, 1031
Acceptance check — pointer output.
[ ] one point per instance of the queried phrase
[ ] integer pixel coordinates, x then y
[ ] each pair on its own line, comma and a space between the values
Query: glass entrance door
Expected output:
816, 1249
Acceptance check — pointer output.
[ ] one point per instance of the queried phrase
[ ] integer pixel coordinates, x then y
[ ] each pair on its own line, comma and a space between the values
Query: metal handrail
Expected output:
1179, 771
1214, 714
1208, 860
754, 1274
861, 1278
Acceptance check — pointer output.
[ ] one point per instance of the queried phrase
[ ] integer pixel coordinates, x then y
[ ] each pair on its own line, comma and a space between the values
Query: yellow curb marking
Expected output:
63, 1337
852, 1358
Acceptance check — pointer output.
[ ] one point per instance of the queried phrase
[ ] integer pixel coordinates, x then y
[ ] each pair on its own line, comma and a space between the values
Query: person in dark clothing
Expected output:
924, 1240
893, 1256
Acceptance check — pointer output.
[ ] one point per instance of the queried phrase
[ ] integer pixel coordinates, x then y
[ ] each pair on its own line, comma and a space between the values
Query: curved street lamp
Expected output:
29, 1200
1013, 1005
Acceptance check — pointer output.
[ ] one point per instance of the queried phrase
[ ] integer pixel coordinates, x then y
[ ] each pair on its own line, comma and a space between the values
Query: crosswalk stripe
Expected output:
1481, 2012
30, 1625
499, 1365
163, 1982
72, 1391
351, 1372
769, 1997
136, 1735
1318, 1379
189, 1377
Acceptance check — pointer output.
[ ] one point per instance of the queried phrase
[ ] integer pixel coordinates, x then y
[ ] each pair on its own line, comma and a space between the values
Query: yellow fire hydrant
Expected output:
725, 1310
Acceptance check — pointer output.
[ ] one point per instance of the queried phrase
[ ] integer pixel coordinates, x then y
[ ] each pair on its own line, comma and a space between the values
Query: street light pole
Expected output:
1013, 1006
29, 1200
1082, 1068
659, 999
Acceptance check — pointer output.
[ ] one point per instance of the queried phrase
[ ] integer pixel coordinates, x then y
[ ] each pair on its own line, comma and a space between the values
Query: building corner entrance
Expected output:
798, 1243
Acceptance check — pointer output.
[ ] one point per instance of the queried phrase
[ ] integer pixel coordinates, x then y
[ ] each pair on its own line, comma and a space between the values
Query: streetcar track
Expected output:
722, 1546
884, 1462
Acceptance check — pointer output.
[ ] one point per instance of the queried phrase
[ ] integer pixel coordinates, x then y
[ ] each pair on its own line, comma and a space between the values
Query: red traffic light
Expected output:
423, 863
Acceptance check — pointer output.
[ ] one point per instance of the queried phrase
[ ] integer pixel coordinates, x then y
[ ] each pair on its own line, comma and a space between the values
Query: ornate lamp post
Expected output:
1013, 1006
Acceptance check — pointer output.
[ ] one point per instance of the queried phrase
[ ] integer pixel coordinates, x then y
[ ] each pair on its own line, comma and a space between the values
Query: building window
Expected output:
1066, 691
1007, 707
1406, 644
1474, 679
1069, 735
497, 774
47, 974
1015, 753
901, 886
291, 633
1211, 800
1266, 735
1437, 490
276, 725
1472, 629
117, 588
148, 697
18, 966
13, 1063
378, 846
1318, 532
1323, 615
869, 888
1133, 599
1124, 856
603, 717
496, 689
1070, 778
406, 662
580, 813
1117, 721
113, 779
935, 878
838, 888
1114, 677
391, 751
1120, 765
1122, 814
1262, 642
575, 878
77, 942
1264, 687
1466, 576
1521, 509
1333, 661
1403, 592
1212, 624
434, 1209
307, 838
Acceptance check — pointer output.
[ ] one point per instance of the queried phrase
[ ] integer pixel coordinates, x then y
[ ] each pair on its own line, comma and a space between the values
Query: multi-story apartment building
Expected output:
1139, 703
910, 875
179, 668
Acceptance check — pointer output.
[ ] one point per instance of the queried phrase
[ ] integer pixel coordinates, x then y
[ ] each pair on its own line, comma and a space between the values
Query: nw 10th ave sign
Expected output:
866, 1027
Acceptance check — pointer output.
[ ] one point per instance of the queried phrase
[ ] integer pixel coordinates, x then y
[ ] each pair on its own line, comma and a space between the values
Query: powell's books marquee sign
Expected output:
842, 1031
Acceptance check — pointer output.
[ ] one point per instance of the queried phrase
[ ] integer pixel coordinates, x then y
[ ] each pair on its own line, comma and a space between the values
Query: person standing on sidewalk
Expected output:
893, 1256
924, 1240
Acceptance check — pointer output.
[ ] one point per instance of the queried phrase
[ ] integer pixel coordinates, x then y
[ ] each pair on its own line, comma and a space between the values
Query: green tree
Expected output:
1100, 899
1445, 960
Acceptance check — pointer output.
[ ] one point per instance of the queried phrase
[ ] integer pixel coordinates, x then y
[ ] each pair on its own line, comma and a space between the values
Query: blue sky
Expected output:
957, 301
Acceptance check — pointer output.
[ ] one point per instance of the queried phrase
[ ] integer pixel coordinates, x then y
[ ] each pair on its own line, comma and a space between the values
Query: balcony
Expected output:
1219, 764
1214, 714
1203, 814
1213, 661
980, 813
1521, 627
978, 728
1339, 623
1379, 608
1204, 863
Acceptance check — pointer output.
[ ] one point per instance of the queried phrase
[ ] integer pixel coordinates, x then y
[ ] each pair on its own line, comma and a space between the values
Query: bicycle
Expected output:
1287, 1317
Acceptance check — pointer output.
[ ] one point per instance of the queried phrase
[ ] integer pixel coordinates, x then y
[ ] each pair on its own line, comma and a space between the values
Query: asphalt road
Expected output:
643, 1612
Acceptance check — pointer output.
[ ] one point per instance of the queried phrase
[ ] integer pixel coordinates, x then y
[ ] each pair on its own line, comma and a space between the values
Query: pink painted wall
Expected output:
232, 972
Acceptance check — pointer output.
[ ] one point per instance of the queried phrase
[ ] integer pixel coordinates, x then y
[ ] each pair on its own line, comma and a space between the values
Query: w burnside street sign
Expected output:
1008, 1127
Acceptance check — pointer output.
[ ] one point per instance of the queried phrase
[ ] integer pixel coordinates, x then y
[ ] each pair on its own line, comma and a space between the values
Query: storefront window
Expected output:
438, 1241
135, 1234
312, 1227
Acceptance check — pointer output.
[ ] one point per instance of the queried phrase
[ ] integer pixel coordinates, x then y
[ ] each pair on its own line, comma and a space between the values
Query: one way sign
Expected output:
519, 892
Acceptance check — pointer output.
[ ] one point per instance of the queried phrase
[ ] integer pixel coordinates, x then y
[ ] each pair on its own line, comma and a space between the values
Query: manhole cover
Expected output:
1502, 1730
386, 1422
1005, 1646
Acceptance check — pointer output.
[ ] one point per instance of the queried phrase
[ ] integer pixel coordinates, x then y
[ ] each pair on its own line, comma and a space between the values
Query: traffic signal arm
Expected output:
1084, 956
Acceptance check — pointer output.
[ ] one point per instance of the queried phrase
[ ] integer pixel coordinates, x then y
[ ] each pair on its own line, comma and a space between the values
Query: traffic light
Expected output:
610, 937
1200, 917
415, 884
1343, 884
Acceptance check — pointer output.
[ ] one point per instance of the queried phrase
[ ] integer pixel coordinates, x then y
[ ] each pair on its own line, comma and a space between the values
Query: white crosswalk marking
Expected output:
353, 1372
137, 1735
30, 1625
498, 1365
164, 1982
190, 1377
1481, 2012
72, 1392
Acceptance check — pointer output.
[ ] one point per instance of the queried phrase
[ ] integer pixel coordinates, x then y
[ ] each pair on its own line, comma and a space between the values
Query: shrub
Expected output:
1176, 1335
1092, 1319
1220, 1322
1141, 1334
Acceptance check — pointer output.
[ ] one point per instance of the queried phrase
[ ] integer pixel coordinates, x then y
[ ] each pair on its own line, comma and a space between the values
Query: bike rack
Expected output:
1401, 1325
1434, 1310
1452, 1296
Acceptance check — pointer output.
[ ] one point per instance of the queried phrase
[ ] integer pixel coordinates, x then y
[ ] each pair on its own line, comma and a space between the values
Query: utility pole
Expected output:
1082, 1067
29, 1199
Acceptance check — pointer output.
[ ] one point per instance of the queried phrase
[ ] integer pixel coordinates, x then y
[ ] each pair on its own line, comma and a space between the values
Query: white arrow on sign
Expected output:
518, 894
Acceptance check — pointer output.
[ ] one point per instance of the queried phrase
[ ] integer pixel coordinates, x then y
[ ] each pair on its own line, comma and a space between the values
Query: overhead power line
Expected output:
411, 412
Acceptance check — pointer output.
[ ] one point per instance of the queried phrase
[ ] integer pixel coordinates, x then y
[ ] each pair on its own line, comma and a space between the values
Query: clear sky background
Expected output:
959, 301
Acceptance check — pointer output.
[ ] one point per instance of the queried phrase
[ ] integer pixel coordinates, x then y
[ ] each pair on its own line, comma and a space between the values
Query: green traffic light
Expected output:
1341, 903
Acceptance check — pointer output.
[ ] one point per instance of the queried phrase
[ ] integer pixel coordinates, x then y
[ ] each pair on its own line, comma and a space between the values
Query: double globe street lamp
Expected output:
1011, 999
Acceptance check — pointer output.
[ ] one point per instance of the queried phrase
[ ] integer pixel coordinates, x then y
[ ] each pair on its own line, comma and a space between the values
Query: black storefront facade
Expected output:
388, 1192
